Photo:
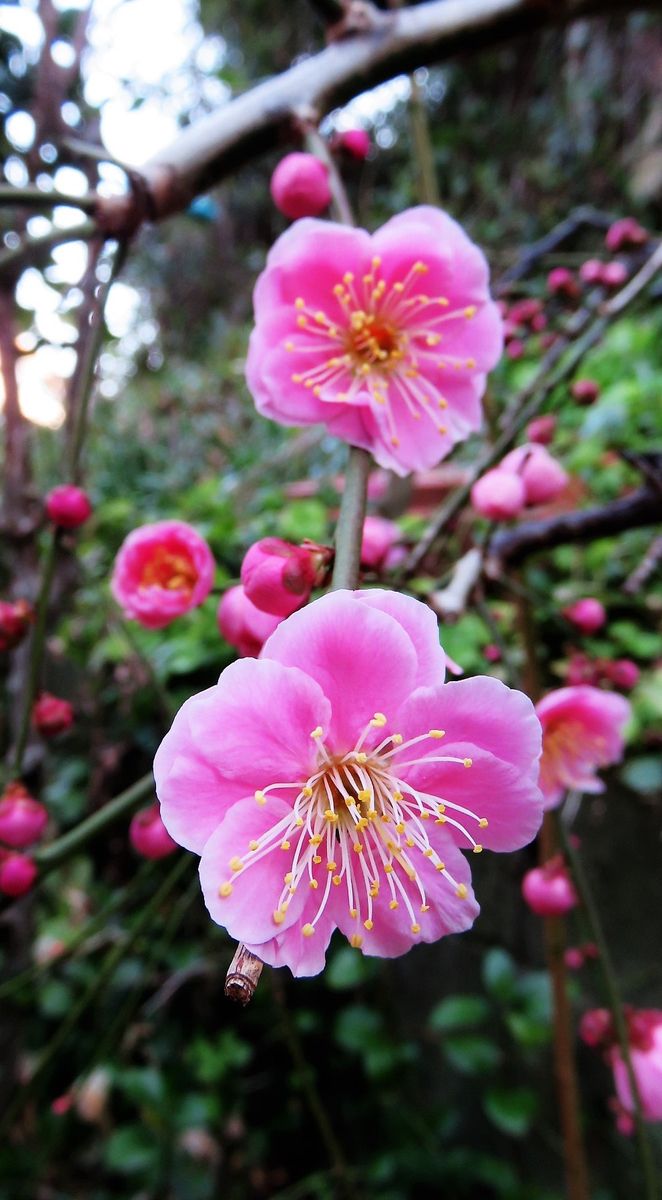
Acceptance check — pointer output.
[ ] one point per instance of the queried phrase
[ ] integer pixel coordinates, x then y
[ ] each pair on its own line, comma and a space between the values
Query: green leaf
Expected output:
458, 1012
499, 974
511, 1109
348, 969
471, 1053
130, 1150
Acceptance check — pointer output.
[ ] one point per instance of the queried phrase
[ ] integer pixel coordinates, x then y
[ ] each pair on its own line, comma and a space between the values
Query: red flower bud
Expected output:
586, 391
561, 282
17, 874
356, 142
68, 506
15, 617
148, 835
588, 615
52, 715
548, 890
277, 576
300, 186
22, 818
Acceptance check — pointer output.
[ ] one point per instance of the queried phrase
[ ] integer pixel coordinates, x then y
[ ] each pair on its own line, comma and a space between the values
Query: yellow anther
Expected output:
478, 849
442, 301
331, 866
361, 757
317, 733
317, 391
302, 322
470, 310
362, 823
261, 798
411, 874
372, 813
433, 339
353, 912
378, 720
336, 880
388, 868
288, 878
374, 890
410, 842
253, 845
278, 916
440, 866
368, 925
289, 346
437, 733
442, 402
442, 429
307, 792
391, 846
483, 823
235, 863
298, 822
338, 289
470, 363
429, 852
363, 796
397, 796
425, 908
285, 845
308, 930
421, 268
315, 839
320, 318
357, 848
398, 287
468, 762
441, 809
317, 858
348, 277
350, 801
299, 302
425, 816
376, 262
331, 815
393, 905
415, 928
400, 827
356, 941
441, 820
225, 890
395, 441
313, 884
396, 738
461, 892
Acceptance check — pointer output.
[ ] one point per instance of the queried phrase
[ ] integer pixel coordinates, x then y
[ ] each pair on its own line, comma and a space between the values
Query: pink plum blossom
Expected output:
335, 782
498, 494
548, 890
625, 232
562, 282
588, 615
300, 186
542, 475
644, 1030
614, 274
22, 818
161, 571
148, 835
582, 731
277, 576
590, 271
385, 339
68, 506
242, 624
379, 537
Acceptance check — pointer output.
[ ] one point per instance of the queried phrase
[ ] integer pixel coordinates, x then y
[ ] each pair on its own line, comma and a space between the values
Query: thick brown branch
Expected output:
398, 41
642, 507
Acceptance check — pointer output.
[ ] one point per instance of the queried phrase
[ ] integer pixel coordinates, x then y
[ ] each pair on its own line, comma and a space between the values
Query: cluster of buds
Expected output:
15, 619
22, 822
621, 673
548, 890
575, 957
520, 319
529, 475
644, 1034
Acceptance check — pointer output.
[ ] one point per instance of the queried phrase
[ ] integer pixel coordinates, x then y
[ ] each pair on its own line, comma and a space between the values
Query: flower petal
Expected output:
420, 623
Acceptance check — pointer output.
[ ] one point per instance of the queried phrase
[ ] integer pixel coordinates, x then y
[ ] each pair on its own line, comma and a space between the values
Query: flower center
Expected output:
356, 823
169, 570
570, 753
385, 339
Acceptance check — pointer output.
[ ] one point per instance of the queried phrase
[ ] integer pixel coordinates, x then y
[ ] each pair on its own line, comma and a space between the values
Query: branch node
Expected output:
243, 975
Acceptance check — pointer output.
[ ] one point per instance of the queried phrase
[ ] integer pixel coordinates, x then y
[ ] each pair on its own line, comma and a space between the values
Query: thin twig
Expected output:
32, 248
349, 530
32, 196
122, 805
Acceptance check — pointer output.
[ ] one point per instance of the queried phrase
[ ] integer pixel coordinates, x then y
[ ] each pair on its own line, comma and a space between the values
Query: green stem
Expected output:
50, 856
428, 191
616, 1007
340, 205
165, 702
349, 530
36, 650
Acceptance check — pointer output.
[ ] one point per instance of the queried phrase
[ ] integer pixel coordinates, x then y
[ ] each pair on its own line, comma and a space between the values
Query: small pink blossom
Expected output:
68, 506
622, 672
335, 781
574, 958
541, 430
300, 186
161, 571
588, 615
614, 274
379, 537
498, 494
548, 890
582, 731
386, 339
242, 624
515, 349
542, 475
585, 391
562, 282
22, 818
625, 232
15, 619
644, 1029
590, 271
52, 715
17, 873
278, 576
148, 835
356, 142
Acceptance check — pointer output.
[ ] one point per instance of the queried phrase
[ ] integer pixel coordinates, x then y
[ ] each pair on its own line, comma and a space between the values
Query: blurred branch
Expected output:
33, 248
32, 196
451, 601
643, 572
628, 512
566, 229
121, 806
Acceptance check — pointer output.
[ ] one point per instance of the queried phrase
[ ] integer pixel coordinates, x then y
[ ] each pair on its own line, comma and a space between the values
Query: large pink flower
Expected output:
386, 339
582, 731
335, 781
161, 571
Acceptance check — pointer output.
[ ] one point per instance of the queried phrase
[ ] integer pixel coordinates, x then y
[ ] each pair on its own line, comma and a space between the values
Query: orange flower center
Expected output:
169, 570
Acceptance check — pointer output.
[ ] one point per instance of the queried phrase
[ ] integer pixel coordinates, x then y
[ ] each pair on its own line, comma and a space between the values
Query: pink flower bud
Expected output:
543, 477
277, 576
68, 506
588, 615
561, 282
596, 1027
22, 819
356, 142
574, 958
625, 232
498, 495
586, 391
548, 890
623, 673
541, 430
379, 536
148, 835
582, 669
614, 274
300, 186
52, 715
538, 322
17, 874
523, 312
590, 271
62, 1104
492, 653
15, 618
515, 349
242, 624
